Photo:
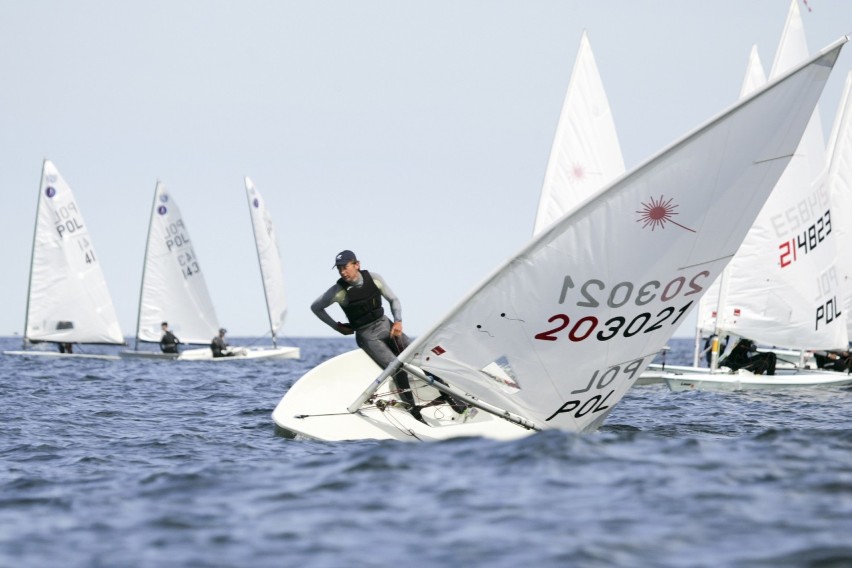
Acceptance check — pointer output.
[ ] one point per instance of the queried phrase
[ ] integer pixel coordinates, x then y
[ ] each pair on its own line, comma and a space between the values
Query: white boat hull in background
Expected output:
315, 407
205, 354
744, 380
57, 355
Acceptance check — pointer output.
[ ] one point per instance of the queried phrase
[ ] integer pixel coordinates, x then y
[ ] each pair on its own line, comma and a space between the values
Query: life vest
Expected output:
364, 303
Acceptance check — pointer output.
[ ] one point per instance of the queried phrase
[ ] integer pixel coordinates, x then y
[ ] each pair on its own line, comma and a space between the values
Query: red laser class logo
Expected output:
657, 213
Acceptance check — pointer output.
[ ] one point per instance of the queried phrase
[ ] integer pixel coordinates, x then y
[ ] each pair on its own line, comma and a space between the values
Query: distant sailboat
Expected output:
67, 299
173, 286
174, 290
585, 155
271, 271
556, 335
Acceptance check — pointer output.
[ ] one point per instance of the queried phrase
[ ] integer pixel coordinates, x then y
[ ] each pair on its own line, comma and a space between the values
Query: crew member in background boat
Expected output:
66, 348
168, 342
360, 294
744, 355
219, 347
834, 360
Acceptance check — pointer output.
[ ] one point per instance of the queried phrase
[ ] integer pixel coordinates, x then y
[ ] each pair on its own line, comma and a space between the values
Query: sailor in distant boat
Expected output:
840, 361
66, 348
219, 347
168, 343
360, 294
744, 355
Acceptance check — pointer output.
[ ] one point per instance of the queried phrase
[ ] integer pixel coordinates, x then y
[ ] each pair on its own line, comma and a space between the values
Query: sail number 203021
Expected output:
594, 294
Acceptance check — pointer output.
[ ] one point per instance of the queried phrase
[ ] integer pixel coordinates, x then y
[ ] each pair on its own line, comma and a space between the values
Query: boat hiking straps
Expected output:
374, 386
470, 399
443, 387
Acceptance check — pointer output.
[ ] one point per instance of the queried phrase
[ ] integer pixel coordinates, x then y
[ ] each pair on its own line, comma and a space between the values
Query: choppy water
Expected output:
137, 463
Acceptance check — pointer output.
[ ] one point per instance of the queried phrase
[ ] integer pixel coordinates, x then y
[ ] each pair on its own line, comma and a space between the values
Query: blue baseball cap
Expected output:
344, 257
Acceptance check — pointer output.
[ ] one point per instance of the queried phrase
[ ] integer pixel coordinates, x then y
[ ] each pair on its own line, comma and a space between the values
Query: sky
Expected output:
414, 133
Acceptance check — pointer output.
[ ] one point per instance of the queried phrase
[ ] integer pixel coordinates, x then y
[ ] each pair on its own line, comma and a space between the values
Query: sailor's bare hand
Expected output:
396, 329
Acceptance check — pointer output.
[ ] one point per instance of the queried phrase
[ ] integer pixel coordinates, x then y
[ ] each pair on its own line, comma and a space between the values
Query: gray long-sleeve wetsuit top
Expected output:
338, 295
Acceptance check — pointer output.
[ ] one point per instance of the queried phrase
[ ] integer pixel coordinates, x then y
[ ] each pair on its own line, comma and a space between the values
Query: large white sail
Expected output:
778, 290
838, 179
269, 256
585, 155
68, 300
559, 332
754, 79
173, 286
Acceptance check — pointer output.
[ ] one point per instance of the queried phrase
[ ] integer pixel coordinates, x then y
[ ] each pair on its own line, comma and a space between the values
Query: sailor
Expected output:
218, 345
744, 355
359, 293
837, 360
168, 343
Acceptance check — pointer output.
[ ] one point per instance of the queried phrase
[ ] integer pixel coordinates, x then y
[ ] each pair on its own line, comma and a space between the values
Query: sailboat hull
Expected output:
315, 408
57, 355
700, 378
204, 354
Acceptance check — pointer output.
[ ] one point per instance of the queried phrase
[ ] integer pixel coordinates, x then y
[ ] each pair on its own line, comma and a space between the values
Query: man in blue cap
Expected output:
359, 293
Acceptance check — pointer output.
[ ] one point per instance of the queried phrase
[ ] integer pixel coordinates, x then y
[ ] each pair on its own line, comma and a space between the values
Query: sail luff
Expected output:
32, 256
145, 267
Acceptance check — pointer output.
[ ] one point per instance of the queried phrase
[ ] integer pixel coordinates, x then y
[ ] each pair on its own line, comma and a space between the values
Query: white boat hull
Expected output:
316, 407
204, 354
57, 355
680, 378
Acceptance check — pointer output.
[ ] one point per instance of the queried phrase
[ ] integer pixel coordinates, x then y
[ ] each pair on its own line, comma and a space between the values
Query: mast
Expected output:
144, 266
32, 256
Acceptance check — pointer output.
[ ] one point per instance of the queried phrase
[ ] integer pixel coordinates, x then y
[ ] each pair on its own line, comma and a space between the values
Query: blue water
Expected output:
140, 463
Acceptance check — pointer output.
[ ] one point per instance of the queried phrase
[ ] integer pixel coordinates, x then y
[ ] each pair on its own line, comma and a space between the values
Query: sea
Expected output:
150, 464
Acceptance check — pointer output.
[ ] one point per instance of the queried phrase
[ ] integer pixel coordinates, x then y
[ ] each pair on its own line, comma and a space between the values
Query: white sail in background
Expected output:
68, 300
173, 286
559, 332
269, 256
838, 179
754, 79
777, 290
585, 155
